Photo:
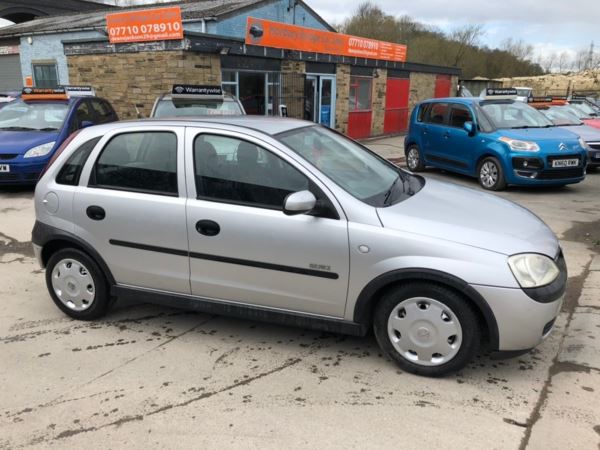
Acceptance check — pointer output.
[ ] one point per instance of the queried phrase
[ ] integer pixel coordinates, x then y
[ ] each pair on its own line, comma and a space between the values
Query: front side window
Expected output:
459, 114
139, 162
236, 171
102, 110
83, 113
360, 93
514, 115
45, 75
38, 116
351, 166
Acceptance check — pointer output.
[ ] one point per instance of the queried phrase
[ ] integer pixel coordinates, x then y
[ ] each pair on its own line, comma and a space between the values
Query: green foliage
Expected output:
431, 46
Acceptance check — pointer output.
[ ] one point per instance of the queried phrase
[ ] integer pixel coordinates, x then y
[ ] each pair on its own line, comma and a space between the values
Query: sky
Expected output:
551, 26
548, 25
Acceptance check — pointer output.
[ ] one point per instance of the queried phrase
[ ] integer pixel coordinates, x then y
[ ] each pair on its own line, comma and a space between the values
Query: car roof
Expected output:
264, 124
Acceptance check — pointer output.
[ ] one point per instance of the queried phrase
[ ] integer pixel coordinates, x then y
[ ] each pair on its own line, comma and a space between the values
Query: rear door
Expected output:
243, 248
130, 207
436, 133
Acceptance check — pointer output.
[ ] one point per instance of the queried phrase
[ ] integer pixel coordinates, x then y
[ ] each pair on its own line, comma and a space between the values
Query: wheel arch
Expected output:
371, 293
52, 239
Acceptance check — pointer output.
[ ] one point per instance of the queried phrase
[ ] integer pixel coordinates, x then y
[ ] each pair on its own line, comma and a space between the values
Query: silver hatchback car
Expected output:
285, 221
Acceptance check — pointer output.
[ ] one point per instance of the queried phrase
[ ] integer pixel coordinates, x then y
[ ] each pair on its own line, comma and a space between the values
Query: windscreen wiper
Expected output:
18, 129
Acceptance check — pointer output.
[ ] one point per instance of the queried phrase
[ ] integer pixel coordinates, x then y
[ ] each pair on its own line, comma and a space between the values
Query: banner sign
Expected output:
294, 37
194, 89
9, 50
490, 92
158, 24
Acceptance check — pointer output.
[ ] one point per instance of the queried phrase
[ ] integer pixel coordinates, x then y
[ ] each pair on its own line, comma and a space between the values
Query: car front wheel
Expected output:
77, 285
490, 174
427, 329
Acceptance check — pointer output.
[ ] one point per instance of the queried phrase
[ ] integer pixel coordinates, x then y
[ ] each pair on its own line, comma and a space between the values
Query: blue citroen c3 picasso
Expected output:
34, 126
494, 138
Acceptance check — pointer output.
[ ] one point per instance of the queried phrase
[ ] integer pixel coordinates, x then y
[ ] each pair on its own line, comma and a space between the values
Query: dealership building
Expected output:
364, 90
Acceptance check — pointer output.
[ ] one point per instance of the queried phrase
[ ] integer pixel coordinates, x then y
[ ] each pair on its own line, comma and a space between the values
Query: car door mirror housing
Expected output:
469, 127
300, 202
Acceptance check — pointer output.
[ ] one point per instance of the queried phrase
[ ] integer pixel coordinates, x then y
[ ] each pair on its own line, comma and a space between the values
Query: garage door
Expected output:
10, 73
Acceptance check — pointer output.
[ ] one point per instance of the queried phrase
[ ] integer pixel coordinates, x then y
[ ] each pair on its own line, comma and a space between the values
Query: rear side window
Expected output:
459, 115
71, 171
139, 162
437, 114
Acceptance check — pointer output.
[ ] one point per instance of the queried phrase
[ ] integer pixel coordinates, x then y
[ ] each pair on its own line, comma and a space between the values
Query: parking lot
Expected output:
154, 376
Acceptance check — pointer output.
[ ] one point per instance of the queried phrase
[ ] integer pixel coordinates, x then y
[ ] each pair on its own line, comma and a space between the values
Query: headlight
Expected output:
533, 270
583, 144
520, 146
40, 150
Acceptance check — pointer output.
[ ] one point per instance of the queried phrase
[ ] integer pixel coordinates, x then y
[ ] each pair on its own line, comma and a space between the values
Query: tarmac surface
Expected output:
155, 377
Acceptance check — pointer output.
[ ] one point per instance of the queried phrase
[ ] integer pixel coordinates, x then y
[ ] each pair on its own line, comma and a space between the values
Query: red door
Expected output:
360, 114
396, 105
443, 84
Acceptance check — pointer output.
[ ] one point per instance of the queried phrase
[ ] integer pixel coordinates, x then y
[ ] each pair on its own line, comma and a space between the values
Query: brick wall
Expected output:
130, 80
342, 93
378, 102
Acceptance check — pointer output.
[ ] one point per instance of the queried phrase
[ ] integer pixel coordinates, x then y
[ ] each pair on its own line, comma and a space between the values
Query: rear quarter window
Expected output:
71, 171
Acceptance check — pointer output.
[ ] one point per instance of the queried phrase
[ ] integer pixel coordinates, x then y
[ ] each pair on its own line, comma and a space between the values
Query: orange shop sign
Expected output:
293, 37
157, 24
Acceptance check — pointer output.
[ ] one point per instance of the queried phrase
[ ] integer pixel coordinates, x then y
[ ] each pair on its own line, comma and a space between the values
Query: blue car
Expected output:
34, 126
494, 138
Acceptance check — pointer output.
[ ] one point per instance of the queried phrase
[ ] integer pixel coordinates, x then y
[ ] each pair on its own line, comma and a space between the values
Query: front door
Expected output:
326, 101
243, 248
130, 207
460, 148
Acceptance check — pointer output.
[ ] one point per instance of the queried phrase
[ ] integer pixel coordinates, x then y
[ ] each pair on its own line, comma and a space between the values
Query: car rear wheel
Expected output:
490, 174
414, 160
77, 285
426, 329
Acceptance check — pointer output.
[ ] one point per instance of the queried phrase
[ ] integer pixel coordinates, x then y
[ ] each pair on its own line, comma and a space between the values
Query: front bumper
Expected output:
594, 158
522, 322
22, 173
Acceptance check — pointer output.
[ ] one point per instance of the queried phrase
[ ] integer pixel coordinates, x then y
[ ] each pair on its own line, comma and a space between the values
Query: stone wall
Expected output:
422, 87
378, 102
292, 87
342, 73
558, 84
133, 81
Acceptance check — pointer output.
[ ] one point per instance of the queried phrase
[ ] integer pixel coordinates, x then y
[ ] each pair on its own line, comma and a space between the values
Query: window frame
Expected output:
330, 209
92, 183
357, 90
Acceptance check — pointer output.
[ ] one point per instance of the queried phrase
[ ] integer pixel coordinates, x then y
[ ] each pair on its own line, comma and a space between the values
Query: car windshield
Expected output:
514, 115
184, 107
26, 116
573, 109
350, 165
585, 108
561, 116
523, 92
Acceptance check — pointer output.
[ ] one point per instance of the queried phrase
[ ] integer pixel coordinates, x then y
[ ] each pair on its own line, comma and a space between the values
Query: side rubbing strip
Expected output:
228, 260
150, 248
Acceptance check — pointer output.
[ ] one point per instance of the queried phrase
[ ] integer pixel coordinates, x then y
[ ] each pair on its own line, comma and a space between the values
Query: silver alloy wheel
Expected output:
412, 158
424, 331
73, 284
489, 174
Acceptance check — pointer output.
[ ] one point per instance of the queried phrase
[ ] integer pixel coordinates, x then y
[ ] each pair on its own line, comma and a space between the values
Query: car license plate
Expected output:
565, 163
4, 168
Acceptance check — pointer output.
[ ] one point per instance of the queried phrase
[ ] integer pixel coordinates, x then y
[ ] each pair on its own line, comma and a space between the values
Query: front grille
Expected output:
594, 145
560, 174
548, 327
7, 156
9, 176
31, 176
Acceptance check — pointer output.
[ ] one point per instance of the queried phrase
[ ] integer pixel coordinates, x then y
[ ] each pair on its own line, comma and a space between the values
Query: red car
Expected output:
577, 111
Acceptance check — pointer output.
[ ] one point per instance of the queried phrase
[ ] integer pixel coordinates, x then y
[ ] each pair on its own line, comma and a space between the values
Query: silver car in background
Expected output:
285, 221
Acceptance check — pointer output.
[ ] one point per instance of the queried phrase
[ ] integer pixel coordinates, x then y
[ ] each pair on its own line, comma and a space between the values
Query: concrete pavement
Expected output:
154, 377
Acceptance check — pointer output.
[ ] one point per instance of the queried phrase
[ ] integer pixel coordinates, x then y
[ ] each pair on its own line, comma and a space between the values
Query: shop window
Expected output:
45, 75
229, 82
360, 93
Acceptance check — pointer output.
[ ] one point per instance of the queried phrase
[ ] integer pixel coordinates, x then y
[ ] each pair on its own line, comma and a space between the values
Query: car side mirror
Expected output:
86, 123
469, 127
300, 202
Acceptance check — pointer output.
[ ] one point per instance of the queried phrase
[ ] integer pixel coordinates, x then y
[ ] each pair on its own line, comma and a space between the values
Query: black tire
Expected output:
101, 297
500, 180
419, 165
457, 306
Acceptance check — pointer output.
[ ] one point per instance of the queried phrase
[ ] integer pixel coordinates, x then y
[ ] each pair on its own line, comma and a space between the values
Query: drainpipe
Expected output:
203, 26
